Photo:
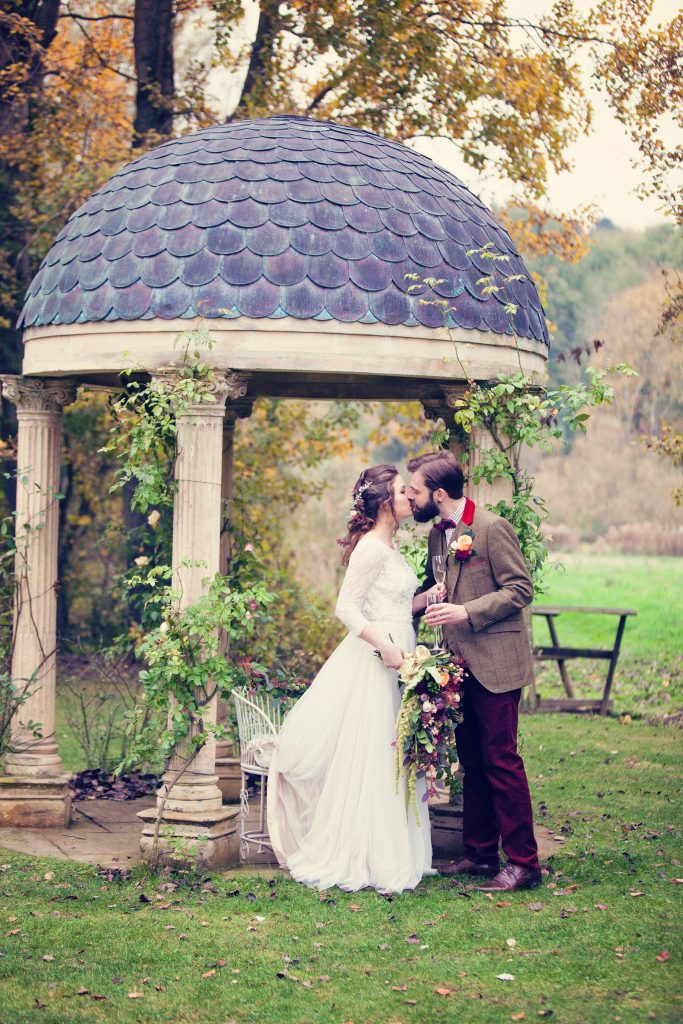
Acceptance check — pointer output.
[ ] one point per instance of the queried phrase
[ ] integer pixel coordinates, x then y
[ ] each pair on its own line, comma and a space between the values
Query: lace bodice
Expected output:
378, 587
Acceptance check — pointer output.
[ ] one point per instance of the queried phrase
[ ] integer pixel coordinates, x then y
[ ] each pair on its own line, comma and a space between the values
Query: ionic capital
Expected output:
38, 394
224, 386
443, 406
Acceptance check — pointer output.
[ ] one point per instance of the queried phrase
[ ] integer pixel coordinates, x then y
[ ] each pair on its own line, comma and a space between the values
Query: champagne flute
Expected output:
439, 568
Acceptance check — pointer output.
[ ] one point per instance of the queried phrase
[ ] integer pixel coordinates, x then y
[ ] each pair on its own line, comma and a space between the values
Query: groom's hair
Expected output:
440, 469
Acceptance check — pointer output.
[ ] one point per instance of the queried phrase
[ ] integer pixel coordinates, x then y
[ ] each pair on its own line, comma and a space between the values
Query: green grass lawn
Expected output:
649, 676
598, 942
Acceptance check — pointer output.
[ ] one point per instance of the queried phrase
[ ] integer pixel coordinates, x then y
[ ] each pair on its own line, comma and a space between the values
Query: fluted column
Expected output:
237, 407
33, 751
193, 810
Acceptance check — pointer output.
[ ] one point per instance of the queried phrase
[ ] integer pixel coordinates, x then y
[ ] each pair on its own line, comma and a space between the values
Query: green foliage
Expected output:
518, 414
186, 664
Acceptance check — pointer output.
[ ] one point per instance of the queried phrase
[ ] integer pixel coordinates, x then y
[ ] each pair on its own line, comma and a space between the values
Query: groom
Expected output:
488, 585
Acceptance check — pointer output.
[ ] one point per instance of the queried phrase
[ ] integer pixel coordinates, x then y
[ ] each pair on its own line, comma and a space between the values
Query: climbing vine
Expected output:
517, 414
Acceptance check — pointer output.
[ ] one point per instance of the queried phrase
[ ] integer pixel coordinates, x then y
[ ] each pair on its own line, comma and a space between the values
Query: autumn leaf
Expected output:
136, 995
663, 956
443, 991
355, 908
413, 940
209, 974
518, 1016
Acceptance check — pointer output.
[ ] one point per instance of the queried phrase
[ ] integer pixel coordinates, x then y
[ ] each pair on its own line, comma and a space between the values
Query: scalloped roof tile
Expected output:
282, 216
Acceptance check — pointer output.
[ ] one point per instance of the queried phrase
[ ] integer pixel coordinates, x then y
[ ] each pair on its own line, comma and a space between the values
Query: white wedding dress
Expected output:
335, 816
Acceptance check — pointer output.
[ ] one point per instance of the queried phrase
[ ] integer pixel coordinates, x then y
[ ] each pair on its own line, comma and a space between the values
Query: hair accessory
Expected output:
357, 495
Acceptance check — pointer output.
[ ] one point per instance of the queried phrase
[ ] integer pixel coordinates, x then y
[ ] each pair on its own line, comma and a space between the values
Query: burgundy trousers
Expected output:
497, 803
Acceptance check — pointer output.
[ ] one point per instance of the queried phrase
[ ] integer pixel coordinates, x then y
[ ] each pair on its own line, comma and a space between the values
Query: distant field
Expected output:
649, 675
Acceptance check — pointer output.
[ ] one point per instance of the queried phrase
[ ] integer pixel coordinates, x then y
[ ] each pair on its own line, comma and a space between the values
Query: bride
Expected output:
334, 814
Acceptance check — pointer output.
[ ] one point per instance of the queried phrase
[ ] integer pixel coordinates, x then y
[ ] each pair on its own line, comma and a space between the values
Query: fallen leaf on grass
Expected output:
504, 903
209, 974
49, 876
83, 992
399, 988
14, 931
511, 943
136, 995
412, 940
505, 977
383, 945
663, 956
354, 908
443, 991
410, 1002
48, 959
534, 906
518, 1016
98, 998
635, 892
600, 906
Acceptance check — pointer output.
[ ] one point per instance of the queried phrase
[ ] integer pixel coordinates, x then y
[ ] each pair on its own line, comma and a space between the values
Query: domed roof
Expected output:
280, 217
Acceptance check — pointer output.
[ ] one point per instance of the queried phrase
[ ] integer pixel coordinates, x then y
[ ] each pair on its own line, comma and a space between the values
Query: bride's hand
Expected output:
392, 656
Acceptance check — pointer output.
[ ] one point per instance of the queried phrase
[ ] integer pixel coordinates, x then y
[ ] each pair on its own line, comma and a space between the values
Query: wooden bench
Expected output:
561, 654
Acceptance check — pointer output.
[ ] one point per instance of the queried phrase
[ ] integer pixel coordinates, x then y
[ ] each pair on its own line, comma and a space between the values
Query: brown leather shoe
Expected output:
513, 877
465, 866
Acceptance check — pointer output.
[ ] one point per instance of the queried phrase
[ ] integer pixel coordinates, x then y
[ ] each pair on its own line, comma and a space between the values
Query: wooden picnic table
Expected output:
559, 653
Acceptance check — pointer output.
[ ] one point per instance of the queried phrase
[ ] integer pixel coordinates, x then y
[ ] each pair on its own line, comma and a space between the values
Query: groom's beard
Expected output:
423, 513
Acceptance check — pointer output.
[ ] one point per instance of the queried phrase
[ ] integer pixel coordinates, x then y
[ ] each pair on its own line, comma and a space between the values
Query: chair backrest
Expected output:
259, 720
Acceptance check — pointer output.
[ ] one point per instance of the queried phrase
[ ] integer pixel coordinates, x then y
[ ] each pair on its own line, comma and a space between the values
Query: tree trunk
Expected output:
23, 44
153, 46
258, 72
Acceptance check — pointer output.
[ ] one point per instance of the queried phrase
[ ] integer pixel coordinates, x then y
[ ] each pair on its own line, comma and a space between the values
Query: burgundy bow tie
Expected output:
445, 524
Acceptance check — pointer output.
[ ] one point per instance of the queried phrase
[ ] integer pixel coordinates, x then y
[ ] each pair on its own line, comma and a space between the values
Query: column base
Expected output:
33, 802
446, 819
229, 778
207, 841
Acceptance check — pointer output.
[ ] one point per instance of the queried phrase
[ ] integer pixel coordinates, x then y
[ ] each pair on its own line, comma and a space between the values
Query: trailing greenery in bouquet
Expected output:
429, 712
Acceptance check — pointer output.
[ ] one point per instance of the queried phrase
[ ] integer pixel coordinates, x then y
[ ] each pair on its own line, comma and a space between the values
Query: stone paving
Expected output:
107, 832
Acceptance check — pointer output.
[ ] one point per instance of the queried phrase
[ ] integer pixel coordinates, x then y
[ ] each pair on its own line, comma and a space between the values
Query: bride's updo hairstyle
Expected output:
372, 491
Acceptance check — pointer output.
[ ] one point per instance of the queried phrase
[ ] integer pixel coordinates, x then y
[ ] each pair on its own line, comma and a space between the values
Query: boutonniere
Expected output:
462, 546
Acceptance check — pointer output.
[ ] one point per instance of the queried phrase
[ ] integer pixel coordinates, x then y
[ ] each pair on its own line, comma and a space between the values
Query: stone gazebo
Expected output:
291, 239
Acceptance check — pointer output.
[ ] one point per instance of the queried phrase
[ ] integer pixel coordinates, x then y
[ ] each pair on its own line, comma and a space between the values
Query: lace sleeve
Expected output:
364, 567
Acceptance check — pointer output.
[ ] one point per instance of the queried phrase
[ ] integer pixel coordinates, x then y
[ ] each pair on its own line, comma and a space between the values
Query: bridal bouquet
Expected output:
427, 717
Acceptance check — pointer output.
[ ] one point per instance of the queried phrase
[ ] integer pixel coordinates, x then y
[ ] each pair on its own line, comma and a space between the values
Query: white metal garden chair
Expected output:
259, 720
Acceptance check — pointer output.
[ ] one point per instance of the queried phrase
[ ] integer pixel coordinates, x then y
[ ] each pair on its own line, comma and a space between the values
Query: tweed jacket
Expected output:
494, 585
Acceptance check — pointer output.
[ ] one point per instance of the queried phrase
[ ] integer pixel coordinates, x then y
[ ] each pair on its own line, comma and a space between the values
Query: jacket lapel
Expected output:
453, 564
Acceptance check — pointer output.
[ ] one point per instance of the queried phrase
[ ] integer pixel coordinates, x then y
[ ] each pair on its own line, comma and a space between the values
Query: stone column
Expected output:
193, 810
238, 407
34, 790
